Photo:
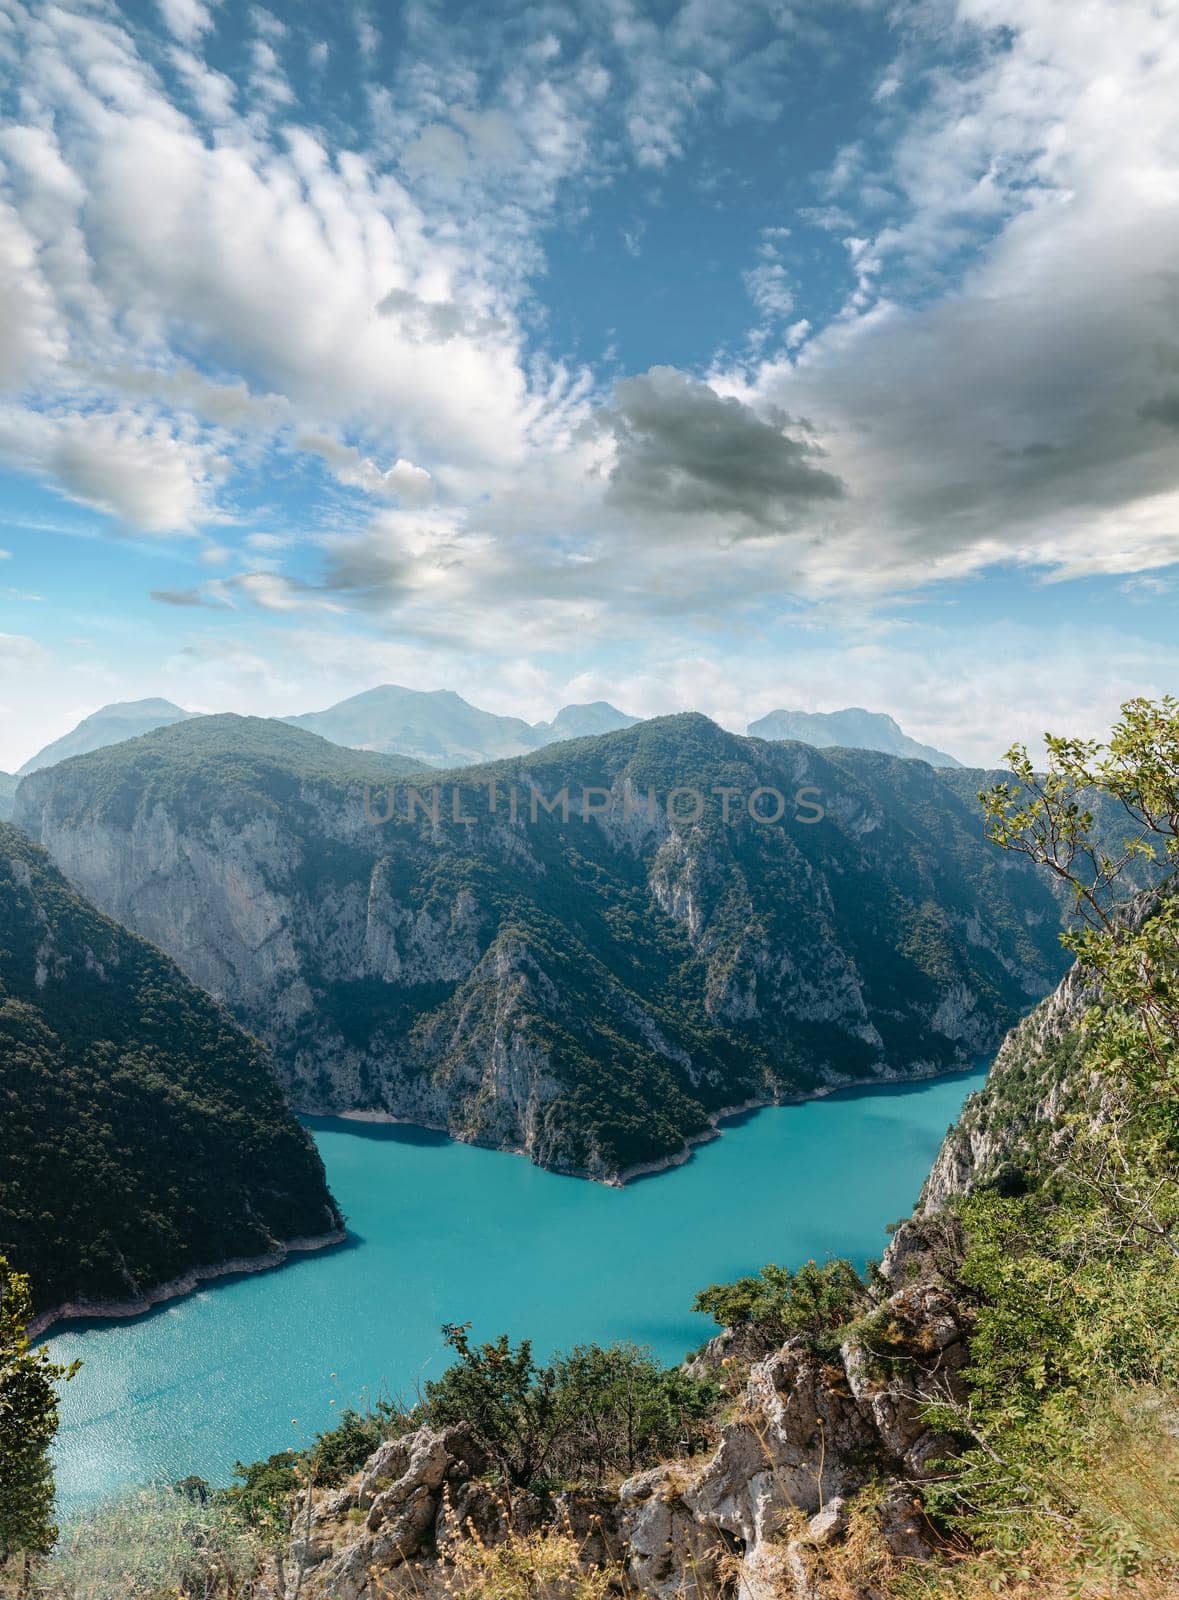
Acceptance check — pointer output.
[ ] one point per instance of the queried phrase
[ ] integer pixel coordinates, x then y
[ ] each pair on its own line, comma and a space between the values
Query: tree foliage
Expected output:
816, 1302
28, 1423
1074, 1283
591, 1411
141, 1132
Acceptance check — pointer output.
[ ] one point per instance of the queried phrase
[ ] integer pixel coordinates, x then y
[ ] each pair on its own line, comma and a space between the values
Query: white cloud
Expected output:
768, 286
133, 467
187, 19
195, 274
1021, 417
402, 481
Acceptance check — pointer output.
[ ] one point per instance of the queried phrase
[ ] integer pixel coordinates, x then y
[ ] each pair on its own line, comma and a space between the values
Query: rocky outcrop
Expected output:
1018, 1120
817, 1442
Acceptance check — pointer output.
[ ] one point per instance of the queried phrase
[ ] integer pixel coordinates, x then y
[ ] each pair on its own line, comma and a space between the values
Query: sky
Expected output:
719, 355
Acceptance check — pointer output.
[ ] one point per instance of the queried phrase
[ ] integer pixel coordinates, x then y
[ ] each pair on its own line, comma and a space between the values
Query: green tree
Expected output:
28, 1423
594, 1410
816, 1302
624, 1408
512, 1403
1123, 1158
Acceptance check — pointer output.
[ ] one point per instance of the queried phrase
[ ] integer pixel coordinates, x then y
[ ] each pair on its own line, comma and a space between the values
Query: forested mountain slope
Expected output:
142, 1133
590, 989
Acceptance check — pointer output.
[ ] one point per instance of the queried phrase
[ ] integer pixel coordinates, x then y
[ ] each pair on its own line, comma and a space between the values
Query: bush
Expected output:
592, 1411
816, 1302
544, 1566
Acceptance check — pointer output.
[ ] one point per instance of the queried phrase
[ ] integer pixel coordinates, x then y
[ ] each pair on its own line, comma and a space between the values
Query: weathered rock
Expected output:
671, 1553
829, 1523
800, 1443
401, 1490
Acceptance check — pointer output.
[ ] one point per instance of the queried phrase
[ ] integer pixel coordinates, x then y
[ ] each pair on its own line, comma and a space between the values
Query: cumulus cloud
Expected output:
684, 449
187, 19
402, 481
197, 279
135, 467
1019, 417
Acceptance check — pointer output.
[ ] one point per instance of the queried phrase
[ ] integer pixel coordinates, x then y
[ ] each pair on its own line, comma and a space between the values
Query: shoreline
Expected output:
677, 1158
177, 1288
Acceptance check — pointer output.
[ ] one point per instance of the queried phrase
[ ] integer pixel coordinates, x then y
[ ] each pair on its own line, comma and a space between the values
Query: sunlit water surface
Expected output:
441, 1232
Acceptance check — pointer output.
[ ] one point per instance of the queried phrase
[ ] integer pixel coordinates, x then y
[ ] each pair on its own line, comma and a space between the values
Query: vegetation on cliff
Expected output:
593, 989
28, 1423
142, 1133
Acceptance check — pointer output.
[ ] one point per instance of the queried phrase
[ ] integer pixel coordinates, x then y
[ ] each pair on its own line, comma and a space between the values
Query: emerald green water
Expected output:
441, 1232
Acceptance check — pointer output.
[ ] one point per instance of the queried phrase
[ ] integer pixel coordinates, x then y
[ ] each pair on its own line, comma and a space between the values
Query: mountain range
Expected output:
143, 1135
441, 729
853, 729
593, 987
8, 785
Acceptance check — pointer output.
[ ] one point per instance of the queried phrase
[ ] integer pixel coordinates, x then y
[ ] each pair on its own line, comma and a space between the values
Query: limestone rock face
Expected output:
1017, 1120
412, 1492
527, 980
793, 1449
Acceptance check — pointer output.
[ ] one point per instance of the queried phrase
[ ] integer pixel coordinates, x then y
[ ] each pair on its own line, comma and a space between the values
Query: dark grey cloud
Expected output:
366, 574
1163, 408
187, 597
683, 449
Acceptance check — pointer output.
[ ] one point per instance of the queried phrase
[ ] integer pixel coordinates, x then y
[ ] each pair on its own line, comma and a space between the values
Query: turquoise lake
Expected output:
442, 1232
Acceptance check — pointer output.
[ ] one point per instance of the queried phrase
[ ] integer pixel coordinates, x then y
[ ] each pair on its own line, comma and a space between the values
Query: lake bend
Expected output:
446, 1232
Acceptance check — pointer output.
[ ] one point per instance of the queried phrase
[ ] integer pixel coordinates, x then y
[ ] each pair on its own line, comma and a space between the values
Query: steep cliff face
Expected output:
1016, 1117
1015, 1123
143, 1136
590, 984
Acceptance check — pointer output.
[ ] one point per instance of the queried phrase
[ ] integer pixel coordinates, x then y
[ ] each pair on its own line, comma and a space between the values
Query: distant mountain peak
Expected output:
441, 728
853, 728
583, 721
125, 719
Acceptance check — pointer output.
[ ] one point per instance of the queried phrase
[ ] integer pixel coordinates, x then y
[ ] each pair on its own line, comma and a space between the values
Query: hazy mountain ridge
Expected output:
441, 728
8, 787
590, 992
142, 1133
853, 728
109, 725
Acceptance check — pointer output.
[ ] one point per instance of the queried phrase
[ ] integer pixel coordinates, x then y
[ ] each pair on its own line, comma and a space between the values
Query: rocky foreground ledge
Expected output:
817, 1450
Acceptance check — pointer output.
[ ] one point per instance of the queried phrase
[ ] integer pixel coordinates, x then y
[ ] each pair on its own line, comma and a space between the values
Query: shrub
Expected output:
816, 1302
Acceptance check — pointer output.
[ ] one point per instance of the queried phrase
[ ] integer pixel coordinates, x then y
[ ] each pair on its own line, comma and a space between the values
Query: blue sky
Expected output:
714, 355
